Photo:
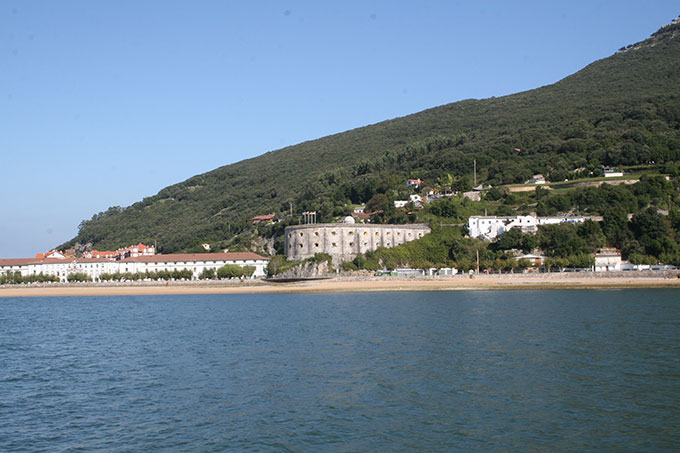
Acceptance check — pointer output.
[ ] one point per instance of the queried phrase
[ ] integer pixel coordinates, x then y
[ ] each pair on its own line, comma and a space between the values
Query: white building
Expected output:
535, 260
195, 262
536, 179
95, 267
489, 227
607, 259
612, 173
433, 271
557, 219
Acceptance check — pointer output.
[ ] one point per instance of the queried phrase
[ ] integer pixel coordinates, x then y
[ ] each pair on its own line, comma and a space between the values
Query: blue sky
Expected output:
105, 103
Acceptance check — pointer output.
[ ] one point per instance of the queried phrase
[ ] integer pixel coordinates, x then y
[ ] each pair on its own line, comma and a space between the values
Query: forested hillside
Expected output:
623, 110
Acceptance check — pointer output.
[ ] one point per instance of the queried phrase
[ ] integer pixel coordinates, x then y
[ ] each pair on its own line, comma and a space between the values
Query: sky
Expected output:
105, 103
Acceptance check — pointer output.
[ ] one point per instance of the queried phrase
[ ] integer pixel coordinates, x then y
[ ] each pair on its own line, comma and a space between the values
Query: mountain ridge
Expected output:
580, 120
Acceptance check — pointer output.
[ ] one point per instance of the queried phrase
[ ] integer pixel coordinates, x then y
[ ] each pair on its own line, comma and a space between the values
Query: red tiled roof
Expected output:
27, 261
16, 261
366, 215
89, 260
102, 252
236, 256
264, 217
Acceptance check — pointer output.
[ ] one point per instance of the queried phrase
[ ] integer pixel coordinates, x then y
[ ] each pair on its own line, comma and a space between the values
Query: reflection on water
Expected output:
479, 370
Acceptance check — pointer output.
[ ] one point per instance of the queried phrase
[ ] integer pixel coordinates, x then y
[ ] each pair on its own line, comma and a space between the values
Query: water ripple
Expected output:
483, 370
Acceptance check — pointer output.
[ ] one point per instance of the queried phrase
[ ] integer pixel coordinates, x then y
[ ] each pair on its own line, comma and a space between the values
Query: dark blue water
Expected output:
486, 370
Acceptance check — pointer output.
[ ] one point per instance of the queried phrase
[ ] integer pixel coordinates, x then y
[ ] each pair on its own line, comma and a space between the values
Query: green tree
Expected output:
207, 274
248, 271
378, 202
509, 240
230, 271
561, 240
78, 277
591, 232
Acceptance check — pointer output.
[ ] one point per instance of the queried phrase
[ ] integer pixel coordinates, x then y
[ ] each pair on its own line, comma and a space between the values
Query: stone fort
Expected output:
344, 241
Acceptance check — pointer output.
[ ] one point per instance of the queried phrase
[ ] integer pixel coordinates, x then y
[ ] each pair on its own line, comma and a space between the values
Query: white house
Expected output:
612, 173
558, 219
536, 260
489, 227
536, 179
607, 259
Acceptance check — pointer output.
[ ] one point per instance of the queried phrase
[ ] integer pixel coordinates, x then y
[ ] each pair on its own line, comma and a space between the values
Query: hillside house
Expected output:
107, 254
267, 218
414, 183
365, 217
51, 254
612, 172
490, 227
536, 179
133, 251
417, 200
607, 259
534, 260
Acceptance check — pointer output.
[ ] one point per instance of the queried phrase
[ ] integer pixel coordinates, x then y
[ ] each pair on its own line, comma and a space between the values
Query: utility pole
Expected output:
477, 250
474, 184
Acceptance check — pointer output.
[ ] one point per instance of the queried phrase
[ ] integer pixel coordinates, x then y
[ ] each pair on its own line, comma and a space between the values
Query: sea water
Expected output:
419, 371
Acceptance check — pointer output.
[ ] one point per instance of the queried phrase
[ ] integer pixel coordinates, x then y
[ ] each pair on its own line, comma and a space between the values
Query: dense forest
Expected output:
622, 111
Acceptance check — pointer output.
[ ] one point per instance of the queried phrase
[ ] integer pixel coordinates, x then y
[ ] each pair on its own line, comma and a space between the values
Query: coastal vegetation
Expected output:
280, 263
17, 278
227, 271
622, 111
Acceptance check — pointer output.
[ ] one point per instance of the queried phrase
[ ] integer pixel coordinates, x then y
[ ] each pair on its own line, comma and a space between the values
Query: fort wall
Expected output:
344, 241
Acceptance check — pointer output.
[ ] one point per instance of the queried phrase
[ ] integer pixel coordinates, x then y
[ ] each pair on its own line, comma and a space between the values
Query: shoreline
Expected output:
355, 284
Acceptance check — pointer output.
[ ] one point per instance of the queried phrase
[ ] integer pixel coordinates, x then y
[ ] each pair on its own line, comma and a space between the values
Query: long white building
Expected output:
489, 227
95, 267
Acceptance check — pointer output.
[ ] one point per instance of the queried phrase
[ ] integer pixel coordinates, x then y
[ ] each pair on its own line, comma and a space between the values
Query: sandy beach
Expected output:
353, 284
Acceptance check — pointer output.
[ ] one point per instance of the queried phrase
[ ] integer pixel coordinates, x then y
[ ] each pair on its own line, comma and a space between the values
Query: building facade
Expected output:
344, 241
607, 259
489, 227
95, 267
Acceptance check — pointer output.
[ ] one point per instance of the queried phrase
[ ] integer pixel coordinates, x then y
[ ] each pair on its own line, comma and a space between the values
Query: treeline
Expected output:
227, 271
17, 278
